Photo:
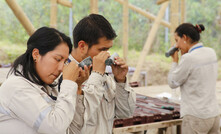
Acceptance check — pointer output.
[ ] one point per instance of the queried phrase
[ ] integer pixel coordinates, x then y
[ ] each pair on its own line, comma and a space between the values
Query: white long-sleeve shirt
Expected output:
196, 75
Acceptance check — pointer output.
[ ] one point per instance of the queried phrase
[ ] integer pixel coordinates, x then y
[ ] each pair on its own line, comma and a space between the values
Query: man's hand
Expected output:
120, 69
99, 62
83, 75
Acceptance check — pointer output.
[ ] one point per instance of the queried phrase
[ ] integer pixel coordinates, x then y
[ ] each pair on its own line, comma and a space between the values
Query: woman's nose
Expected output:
60, 66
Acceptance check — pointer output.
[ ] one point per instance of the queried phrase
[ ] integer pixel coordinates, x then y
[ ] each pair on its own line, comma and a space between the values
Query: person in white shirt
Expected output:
29, 101
196, 75
108, 98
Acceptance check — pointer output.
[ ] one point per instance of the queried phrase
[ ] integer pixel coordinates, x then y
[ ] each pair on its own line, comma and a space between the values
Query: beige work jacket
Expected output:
26, 108
101, 104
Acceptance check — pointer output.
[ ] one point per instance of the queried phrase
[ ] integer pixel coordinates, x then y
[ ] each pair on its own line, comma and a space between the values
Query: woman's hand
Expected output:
175, 57
71, 71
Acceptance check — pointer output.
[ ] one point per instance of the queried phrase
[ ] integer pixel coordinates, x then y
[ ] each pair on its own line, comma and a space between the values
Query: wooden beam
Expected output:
174, 19
219, 18
161, 1
125, 29
94, 6
149, 41
53, 14
183, 11
21, 16
145, 13
65, 3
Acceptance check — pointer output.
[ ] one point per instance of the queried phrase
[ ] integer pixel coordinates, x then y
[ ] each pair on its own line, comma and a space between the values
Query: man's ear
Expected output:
35, 54
83, 46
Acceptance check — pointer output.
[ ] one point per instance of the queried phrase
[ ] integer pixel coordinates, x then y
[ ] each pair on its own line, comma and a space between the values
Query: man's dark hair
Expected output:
91, 28
190, 30
44, 39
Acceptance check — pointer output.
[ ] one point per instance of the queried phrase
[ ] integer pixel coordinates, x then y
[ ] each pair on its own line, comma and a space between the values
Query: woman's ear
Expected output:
35, 54
186, 39
83, 47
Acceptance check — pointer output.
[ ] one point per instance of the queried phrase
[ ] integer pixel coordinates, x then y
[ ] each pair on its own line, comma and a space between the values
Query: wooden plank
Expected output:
138, 128
94, 6
21, 16
149, 42
53, 14
145, 14
65, 3
174, 17
125, 29
161, 1
183, 10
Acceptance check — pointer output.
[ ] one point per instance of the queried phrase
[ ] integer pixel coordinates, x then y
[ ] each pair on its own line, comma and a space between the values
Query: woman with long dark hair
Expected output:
29, 102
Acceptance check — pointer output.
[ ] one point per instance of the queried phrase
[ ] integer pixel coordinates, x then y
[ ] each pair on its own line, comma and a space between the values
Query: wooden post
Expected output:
21, 16
125, 29
161, 1
149, 41
183, 11
94, 6
53, 15
145, 14
65, 3
174, 19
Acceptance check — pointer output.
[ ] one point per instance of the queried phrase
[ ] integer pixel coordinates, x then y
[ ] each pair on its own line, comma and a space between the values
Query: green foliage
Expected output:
11, 51
38, 11
205, 12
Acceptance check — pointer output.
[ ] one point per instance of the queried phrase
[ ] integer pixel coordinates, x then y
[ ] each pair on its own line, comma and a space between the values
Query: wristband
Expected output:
98, 73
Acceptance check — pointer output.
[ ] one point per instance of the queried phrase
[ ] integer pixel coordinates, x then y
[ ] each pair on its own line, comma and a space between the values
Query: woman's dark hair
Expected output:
91, 28
45, 39
190, 30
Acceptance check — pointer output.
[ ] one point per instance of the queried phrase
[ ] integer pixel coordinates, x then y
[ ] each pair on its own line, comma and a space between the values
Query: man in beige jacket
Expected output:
111, 98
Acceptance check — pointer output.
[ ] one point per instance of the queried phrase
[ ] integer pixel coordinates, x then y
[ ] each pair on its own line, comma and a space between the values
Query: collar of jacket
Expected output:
194, 46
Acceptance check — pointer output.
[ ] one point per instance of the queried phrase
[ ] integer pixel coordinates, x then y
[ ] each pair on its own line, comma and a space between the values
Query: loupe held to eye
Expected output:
111, 59
171, 51
87, 61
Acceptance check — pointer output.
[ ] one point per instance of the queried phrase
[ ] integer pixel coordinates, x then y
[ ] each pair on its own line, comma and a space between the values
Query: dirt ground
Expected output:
156, 72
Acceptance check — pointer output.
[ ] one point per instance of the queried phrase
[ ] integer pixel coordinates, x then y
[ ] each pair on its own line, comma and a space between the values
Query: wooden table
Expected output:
163, 126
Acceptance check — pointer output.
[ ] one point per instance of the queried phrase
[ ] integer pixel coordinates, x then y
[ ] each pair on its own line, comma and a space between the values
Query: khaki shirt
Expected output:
196, 75
104, 100
26, 108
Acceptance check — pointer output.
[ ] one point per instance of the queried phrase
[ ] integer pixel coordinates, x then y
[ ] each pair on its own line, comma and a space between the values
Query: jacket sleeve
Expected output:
42, 114
125, 100
179, 72
78, 121
88, 103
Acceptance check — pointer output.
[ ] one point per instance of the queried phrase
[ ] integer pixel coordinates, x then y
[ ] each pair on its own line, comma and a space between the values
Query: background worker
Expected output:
196, 75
